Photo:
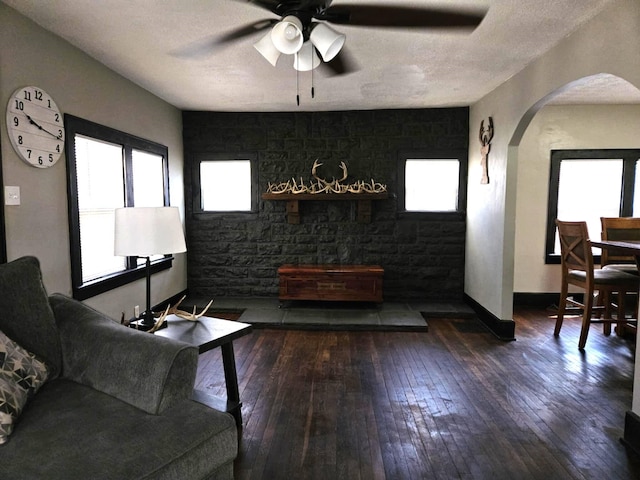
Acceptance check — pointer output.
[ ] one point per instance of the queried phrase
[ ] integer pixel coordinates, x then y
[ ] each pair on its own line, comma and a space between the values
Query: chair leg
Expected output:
600, 300
606, 326
586, 319
621, 325
562, 305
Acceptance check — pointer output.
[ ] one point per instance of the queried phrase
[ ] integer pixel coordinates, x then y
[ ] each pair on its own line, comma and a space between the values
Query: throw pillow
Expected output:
21, 375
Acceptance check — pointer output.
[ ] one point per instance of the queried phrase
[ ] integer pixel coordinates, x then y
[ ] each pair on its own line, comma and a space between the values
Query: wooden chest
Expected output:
356, 283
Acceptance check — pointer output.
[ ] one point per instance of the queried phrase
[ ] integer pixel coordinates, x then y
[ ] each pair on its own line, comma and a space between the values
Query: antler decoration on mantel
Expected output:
324, 186
486, 134
181, 313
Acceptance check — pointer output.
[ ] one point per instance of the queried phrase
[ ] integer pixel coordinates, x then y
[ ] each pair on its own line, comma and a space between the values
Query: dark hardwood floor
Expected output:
454, 402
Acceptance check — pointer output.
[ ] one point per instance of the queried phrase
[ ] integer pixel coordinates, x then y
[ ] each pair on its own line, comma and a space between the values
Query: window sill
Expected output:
105, 284
204, 215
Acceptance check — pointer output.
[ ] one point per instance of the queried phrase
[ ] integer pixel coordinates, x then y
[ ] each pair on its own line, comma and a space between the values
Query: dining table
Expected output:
626, 247
629, 247
623, 247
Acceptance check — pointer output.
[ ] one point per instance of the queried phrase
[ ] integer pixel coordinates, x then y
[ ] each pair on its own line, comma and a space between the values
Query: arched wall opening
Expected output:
596, 112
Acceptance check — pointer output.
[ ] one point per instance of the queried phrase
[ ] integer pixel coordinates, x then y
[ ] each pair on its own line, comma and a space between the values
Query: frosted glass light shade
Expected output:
327, 41
286, 35
147, 231
306, 59
267, 49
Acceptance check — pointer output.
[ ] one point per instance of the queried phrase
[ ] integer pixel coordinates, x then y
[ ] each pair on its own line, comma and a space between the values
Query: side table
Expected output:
208, 333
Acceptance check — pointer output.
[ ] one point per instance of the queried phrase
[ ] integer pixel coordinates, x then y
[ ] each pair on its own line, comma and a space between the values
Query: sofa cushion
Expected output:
21, 375
71, 431
25, 314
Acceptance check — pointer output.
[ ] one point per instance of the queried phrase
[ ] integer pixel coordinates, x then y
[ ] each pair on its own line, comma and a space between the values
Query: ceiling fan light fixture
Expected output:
267, 49
327, 41
306, 59
286, 35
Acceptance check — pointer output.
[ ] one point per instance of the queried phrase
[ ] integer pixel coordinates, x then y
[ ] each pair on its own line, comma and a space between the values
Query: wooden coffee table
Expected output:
208, 333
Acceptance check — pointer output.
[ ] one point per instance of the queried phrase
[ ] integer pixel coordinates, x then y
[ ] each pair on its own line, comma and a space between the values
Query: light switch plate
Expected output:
11, 195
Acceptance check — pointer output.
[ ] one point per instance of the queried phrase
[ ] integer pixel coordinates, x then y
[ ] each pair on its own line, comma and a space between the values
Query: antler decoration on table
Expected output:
182, 314
324, 186
486, 134
161, 320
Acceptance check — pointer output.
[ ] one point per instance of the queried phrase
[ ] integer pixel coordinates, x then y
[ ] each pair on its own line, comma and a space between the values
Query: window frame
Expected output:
220, 157
629, 157
78, 126
461, 155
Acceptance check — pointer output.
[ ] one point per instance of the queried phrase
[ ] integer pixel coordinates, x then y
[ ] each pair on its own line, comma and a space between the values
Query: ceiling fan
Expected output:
303, 30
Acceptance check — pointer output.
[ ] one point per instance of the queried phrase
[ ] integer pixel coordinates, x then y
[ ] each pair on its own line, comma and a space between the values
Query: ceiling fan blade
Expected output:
283, 7
271, 5
388, 16
246, 30
214, 43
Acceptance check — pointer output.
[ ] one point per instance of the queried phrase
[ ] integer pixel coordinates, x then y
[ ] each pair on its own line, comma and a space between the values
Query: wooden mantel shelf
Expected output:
293, 202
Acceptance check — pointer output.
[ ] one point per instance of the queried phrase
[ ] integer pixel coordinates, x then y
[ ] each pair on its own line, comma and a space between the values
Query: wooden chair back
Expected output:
575, 246
577, 270
618, 228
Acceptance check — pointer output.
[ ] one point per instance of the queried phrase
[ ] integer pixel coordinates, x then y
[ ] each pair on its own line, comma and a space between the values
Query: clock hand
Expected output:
32, 122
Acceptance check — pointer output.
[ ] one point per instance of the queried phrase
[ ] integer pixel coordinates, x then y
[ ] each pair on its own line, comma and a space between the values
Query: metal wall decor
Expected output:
486, 134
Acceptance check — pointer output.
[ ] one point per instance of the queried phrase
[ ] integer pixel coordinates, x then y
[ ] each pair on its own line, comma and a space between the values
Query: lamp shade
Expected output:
267, 49
286, 35
327, 41
306, 59
147, 231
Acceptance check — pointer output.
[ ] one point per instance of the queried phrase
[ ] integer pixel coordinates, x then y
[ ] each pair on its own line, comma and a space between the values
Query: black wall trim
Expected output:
503, 329
629, 158
104, 284
631, 437
535, 299
542, 300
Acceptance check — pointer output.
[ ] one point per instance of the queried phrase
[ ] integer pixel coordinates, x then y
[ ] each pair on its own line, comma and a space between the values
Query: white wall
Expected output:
558, 127
607, 43
84, 88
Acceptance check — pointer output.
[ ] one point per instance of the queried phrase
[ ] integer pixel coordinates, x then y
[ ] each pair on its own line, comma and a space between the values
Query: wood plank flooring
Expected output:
454, 402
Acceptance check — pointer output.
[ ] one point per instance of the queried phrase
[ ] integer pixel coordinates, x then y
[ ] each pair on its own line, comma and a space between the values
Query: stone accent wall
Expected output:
238, 255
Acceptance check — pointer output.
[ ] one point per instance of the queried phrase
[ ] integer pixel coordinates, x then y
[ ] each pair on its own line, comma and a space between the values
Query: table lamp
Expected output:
144, 232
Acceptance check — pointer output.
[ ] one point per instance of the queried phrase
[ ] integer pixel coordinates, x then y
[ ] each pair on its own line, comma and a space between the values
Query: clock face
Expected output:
35, 127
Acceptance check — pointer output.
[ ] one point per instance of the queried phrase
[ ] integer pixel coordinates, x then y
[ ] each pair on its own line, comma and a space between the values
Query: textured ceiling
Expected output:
169, 49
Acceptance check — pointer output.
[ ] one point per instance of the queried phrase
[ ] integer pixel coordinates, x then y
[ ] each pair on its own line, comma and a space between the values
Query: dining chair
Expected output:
622, 229
619, 228
578, 270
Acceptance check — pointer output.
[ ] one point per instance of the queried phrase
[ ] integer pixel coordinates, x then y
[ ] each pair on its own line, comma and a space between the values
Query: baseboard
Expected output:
542, 300
631, 437
503, 329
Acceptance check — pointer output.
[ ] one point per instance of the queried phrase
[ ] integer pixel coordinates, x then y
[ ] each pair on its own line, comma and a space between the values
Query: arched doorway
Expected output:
600, 111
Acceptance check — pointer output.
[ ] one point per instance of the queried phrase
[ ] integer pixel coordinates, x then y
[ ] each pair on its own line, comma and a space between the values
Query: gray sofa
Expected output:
117, 401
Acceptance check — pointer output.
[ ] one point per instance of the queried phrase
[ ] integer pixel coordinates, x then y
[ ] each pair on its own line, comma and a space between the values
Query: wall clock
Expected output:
35, 127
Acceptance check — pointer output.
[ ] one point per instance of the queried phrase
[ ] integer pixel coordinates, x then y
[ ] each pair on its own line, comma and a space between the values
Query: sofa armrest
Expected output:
149, 372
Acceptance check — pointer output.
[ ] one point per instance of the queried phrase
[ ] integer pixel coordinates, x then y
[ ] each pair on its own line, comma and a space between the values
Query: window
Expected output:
108, 169
432, 183
585, 185
225, 183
